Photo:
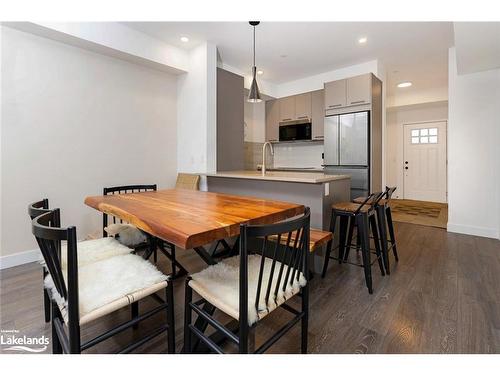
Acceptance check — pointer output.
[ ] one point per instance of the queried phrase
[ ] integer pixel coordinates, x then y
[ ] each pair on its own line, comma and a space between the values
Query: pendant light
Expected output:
254, 94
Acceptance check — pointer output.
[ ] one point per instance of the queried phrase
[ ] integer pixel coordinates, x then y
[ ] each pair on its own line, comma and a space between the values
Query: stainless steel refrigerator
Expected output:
347, 149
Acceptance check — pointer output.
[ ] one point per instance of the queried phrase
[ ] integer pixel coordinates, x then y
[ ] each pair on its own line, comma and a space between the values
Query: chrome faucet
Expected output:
264, 156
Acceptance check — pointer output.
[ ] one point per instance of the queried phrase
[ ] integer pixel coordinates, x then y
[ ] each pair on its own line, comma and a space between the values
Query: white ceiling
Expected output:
477, 46
414, 51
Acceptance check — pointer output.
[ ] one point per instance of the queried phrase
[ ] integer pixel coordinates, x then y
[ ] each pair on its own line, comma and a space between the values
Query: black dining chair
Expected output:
36, 209
80, 295
152, 244
249, 287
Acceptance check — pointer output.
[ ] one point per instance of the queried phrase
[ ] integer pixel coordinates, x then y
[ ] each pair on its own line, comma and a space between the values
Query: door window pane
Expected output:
424, 135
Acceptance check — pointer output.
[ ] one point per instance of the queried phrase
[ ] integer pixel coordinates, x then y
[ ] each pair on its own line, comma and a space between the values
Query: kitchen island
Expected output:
318, 191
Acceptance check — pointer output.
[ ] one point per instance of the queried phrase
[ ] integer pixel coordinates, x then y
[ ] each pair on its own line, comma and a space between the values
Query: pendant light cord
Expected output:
254, 46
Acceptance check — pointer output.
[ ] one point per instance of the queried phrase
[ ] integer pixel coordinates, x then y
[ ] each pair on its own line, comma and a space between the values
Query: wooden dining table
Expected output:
191, 219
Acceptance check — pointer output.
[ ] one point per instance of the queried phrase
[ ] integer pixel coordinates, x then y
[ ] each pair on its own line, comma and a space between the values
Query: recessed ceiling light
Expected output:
362, 40
184, 39
260, 72
404, 84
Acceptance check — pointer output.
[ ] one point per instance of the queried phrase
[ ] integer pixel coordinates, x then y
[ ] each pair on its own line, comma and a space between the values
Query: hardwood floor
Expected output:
442, 297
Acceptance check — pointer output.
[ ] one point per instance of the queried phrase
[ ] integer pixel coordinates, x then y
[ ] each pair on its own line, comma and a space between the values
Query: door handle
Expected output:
406, 167
406, 162
358, 102
334, 105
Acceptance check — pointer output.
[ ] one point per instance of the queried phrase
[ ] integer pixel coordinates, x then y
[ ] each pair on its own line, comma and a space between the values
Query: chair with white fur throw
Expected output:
83, 292
250, 286
133, 237
90, 250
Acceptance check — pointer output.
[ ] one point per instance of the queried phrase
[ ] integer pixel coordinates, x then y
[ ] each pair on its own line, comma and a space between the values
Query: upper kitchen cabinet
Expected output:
303, 108
287, 108
335, 94
359, 89
272, 120
348, 92
318, 114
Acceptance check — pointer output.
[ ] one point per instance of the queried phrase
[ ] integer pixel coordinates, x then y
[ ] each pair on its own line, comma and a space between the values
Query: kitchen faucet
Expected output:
264, 156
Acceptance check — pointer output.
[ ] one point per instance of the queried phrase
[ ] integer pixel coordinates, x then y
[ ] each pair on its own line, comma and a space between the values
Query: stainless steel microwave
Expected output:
295, 131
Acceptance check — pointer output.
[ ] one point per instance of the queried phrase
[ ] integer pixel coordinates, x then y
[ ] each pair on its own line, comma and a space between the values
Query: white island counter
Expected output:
318, 191
302, 177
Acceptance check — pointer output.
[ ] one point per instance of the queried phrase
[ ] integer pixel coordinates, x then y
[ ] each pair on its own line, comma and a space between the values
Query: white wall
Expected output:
74, 121
473, 151
396, 118
113, 39
415, 96
196, 112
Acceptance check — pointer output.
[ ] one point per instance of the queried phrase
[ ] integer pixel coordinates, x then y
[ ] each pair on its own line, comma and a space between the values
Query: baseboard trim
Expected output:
474, 231
13, 260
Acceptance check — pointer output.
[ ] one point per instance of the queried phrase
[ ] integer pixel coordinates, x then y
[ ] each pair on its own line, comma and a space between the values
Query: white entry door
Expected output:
425, 161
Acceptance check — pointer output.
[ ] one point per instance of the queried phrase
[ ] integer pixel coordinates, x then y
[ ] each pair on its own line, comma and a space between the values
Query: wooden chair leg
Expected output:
134, 313
56, 343
376, 240
305, 319
188, 293
169, 298
362, 223
391, 232
46, 305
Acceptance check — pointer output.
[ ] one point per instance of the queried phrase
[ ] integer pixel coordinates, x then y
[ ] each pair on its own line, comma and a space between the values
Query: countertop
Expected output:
303, 177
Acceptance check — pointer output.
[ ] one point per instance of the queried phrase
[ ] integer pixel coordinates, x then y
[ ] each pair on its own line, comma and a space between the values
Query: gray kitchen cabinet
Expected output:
303, 106
359, 90
318, 114
272, 120
287, 108
230, 119
335, 94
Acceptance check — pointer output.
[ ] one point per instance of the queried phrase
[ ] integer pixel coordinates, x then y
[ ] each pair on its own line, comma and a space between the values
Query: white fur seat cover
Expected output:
126, 234
219, 285
91, 251
110, 284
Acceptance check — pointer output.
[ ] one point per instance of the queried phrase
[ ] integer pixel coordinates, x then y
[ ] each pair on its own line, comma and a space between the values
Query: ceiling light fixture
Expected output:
362, 40
254, 94
404, 84
184, 39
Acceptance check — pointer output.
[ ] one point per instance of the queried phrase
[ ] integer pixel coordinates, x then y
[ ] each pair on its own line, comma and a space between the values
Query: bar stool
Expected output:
362, 216
384, 219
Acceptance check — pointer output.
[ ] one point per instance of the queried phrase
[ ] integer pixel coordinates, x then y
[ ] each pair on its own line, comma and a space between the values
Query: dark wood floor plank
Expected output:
442, 297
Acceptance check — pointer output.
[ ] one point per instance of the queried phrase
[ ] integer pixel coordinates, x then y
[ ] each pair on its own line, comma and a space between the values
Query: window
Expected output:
424, 136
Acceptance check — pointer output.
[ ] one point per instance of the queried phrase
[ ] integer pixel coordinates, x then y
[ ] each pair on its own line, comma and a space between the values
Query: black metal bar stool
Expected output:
384, 219
363, 217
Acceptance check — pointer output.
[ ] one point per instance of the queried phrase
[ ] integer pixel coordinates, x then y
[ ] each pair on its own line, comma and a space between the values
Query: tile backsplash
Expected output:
253, 155
298, 155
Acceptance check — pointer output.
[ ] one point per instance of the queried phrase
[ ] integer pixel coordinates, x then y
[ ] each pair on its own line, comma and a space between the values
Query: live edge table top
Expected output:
189, 218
